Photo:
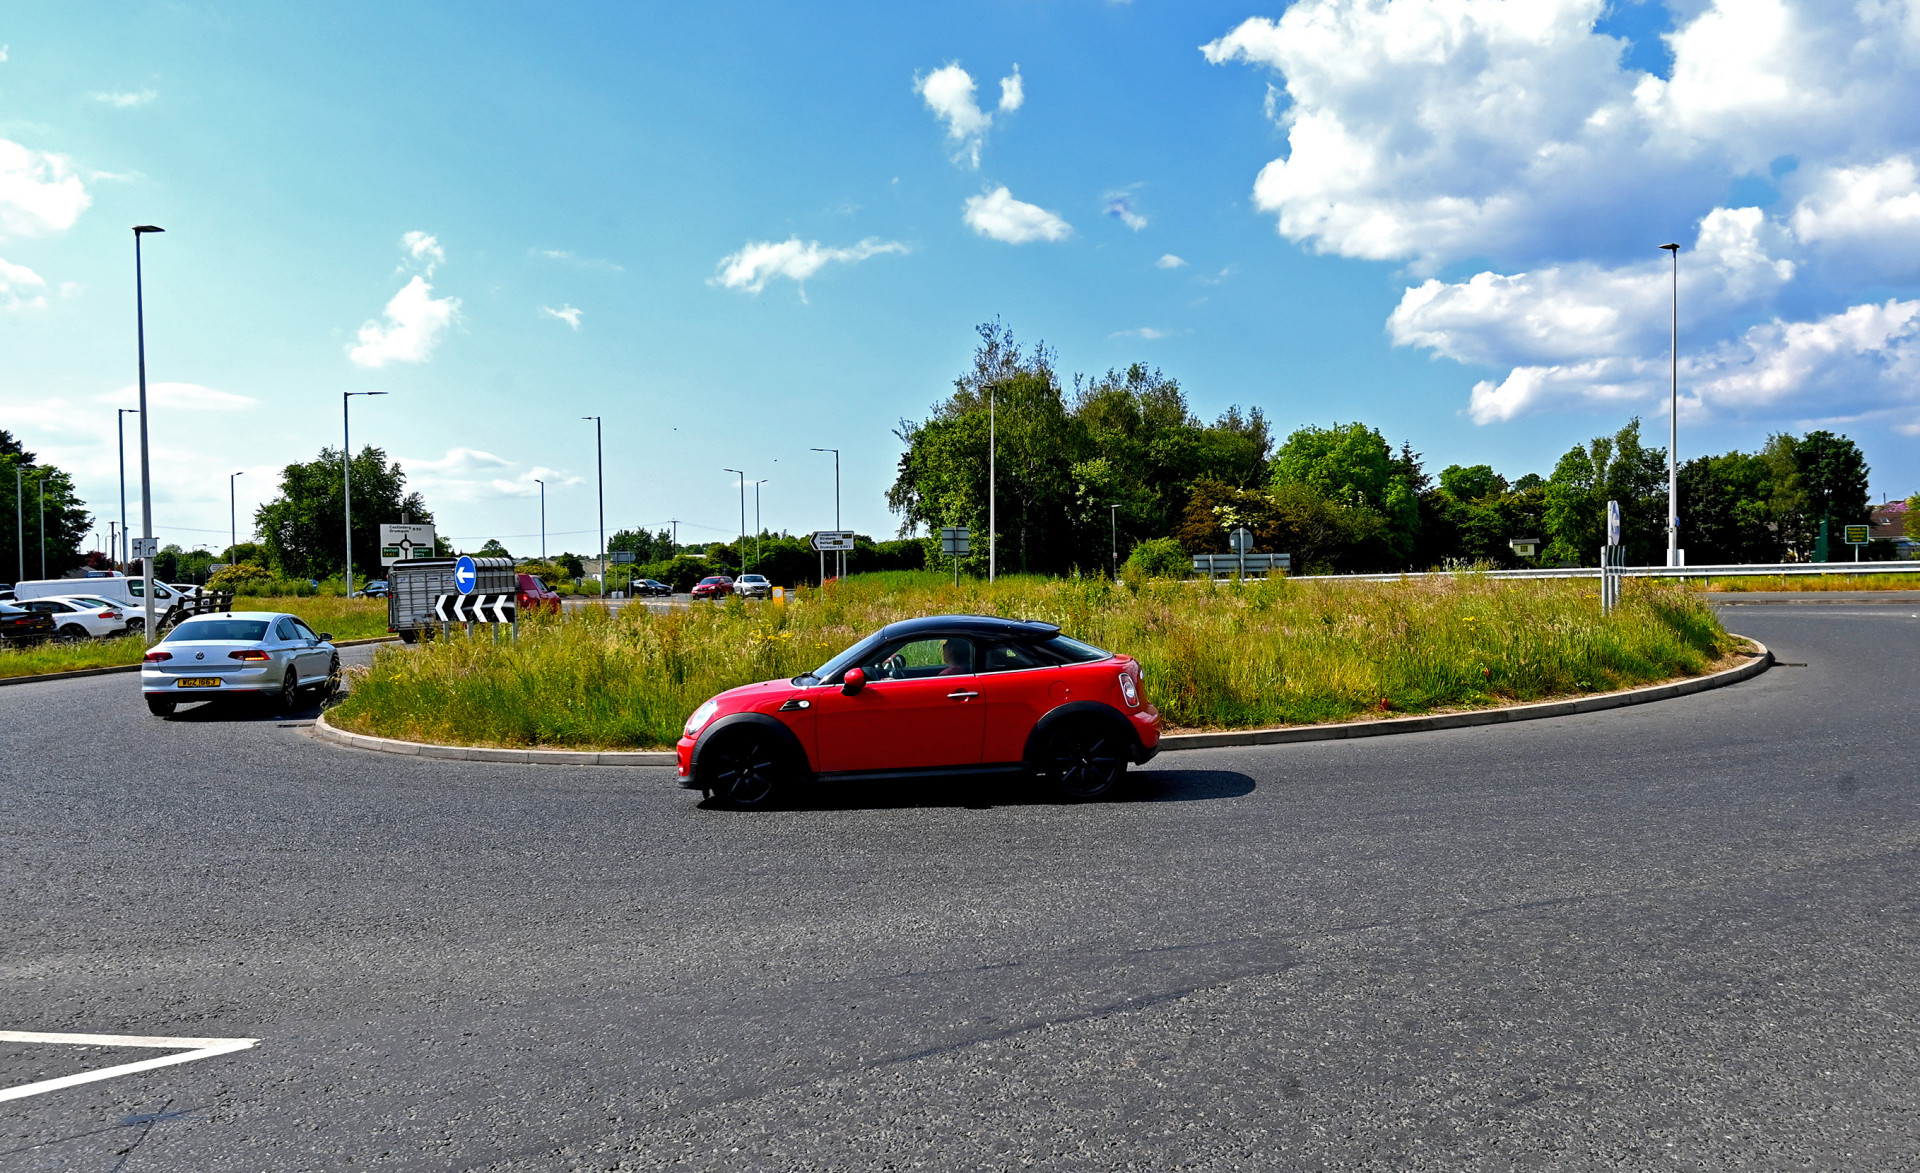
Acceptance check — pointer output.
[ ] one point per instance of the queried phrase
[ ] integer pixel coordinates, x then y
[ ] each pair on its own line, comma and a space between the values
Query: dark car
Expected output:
535, 595
642, 587
950, 694
377, 589
714, 586
18, 624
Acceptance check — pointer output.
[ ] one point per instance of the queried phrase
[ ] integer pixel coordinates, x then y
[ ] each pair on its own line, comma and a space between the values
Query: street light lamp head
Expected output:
1672, 248
139, 228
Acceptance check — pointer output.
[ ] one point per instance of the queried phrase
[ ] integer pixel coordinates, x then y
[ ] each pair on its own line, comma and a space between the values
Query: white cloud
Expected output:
566, 313
21, 287
3, 53
1144, 332
948, 92
1866, 216
125, 99
1013, 91
1858, 360
568, 256
180, 397
469, 474
39, 193
998, 215
1169, 261
1120, 207
424, 248
759, 262
415, 323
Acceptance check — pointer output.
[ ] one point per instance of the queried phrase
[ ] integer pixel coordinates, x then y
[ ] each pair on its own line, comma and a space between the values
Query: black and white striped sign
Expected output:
476, 608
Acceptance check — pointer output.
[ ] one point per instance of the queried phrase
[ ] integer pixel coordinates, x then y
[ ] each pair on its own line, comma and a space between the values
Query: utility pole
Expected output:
1673, 424
675, 523
543, 517
743, 513
600, 466
346, 476
1114, 537
233, 524
146, 477
840, 556
993, 484
120, 422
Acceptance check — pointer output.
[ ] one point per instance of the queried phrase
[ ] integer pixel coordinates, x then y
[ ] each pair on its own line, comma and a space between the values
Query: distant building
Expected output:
1889, 521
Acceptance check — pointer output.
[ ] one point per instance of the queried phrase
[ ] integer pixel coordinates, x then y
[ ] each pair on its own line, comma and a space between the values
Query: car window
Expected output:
1070, 651
304, 631
918, 658
46, 605
233, 630
534, 584
1012, 657
284, 629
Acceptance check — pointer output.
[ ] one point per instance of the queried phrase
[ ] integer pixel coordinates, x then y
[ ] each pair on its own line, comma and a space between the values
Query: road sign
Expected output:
955, 541
1857, 535
825, 540
490, 608
465, 574
1241, 540
1613, 523
144, 548
405, 543
621, 557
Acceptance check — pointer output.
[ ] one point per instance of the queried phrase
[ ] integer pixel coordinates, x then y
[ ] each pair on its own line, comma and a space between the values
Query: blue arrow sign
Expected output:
465, 574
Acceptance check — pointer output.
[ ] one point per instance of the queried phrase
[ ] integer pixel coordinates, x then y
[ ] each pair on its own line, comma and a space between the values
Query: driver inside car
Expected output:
957, 657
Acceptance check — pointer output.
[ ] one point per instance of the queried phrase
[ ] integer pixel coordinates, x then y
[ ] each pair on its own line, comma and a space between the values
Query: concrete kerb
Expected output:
1171, 743
77, 673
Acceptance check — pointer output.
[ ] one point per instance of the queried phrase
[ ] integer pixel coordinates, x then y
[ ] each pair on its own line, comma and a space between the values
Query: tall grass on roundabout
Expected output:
338, 617
1217, 656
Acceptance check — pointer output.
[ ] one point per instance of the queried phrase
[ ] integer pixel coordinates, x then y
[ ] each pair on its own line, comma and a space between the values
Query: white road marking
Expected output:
190, 1049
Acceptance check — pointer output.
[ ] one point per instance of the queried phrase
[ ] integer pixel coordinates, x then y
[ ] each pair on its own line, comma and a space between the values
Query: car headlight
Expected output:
701, 716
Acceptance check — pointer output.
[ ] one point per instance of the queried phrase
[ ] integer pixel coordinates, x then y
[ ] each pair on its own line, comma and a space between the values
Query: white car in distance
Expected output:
753, 586
76, 618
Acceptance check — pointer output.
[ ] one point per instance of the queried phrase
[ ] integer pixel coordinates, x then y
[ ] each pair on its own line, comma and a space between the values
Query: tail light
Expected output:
249, 654
1129, 690
108, 615
156, 657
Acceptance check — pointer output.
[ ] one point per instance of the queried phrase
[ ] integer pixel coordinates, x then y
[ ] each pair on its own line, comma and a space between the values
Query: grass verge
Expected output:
339, 617
1808, 582
1217, 656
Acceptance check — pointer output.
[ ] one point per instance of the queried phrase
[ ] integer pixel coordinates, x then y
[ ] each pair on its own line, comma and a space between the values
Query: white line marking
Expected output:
193, 1049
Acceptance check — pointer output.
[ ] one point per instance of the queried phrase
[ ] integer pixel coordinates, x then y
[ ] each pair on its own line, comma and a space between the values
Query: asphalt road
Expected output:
1676, 936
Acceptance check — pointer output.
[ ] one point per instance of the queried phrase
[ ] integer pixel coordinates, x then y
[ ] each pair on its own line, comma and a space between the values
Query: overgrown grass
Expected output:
1809, 582
1216, 656
339, 617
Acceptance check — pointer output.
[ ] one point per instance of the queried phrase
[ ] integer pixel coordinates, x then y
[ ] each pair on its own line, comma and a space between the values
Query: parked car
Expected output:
950, 694
377, 589
643, 587
714, 586
122, 591
76, 619
753, 586
247, 653
185, 589
19, 625
535, 595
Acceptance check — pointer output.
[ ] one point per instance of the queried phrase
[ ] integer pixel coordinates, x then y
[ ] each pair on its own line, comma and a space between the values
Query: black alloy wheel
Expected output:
1085, 759
289, 690
744, 768
72, 633
331, 688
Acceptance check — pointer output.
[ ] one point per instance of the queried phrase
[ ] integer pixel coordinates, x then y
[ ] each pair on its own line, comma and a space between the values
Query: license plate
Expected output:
198, 682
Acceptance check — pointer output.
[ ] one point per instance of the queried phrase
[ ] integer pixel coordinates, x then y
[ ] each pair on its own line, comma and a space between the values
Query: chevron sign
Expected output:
475, 608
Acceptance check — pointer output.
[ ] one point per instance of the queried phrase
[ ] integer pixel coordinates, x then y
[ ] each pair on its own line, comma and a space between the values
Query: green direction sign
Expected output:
1856, 535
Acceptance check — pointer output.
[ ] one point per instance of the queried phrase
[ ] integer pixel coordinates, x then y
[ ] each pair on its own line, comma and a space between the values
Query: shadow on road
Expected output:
244, 709
982, 793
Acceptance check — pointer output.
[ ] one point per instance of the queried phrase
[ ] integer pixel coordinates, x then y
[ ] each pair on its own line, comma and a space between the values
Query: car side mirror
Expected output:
325, 636
853, 681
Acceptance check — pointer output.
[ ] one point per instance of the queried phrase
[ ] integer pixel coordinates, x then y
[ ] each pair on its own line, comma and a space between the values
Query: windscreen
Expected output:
235, 630
839, 663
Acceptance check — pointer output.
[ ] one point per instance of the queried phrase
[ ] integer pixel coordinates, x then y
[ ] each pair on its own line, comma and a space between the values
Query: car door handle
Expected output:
962, 695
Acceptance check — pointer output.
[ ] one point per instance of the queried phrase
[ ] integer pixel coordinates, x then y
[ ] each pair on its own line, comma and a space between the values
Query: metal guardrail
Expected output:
1737, 570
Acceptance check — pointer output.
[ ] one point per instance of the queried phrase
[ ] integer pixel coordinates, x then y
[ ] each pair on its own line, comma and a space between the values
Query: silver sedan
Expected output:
256, 653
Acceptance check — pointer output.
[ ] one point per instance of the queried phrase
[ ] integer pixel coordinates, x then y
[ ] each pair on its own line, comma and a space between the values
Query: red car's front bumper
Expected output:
683, 761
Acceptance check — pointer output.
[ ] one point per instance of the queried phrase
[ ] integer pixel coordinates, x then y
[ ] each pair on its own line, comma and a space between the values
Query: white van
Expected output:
117, 589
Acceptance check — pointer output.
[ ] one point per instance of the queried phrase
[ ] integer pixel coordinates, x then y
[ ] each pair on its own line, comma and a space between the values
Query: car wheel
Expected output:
409, 637
331, 687
136, 626
72, 633
289, 691
160, 706
1084, 759
744, 767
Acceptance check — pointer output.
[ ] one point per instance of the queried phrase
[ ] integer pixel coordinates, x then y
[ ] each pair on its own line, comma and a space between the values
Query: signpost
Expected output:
472, 608
825, 540
465, 574
1613, 555
1241, 540
144, 548
405, 543
956, 542
1857, 536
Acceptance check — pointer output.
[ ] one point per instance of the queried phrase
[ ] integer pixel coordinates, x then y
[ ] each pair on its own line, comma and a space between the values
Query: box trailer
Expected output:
414, 587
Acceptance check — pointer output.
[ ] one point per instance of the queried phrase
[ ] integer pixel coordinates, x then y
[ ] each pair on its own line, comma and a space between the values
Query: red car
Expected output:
952, 694
535, 595
714, 586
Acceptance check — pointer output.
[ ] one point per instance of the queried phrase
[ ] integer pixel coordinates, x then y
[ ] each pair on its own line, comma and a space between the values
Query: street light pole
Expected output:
146, 478
743, 513
756, 520
1114, 538
543, 517
600, 467
993, 485
1673, 424
233, 524
346, 474
840, 556
121, 422
20, 521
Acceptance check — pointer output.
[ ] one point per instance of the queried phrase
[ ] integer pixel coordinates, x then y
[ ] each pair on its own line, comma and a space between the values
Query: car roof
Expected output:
241, 615
978, 625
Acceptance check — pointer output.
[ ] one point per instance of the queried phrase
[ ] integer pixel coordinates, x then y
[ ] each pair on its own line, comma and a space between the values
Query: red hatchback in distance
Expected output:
951, 694
535, 595
714, 586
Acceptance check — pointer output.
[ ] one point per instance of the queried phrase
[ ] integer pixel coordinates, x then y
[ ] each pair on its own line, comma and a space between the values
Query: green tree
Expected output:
53, 516
646, 547
302, 527
1912, 525
1353, 465
1610, 468
493, 549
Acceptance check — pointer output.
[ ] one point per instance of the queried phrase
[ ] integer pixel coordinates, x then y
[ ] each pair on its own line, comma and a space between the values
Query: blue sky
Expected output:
1439, 218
